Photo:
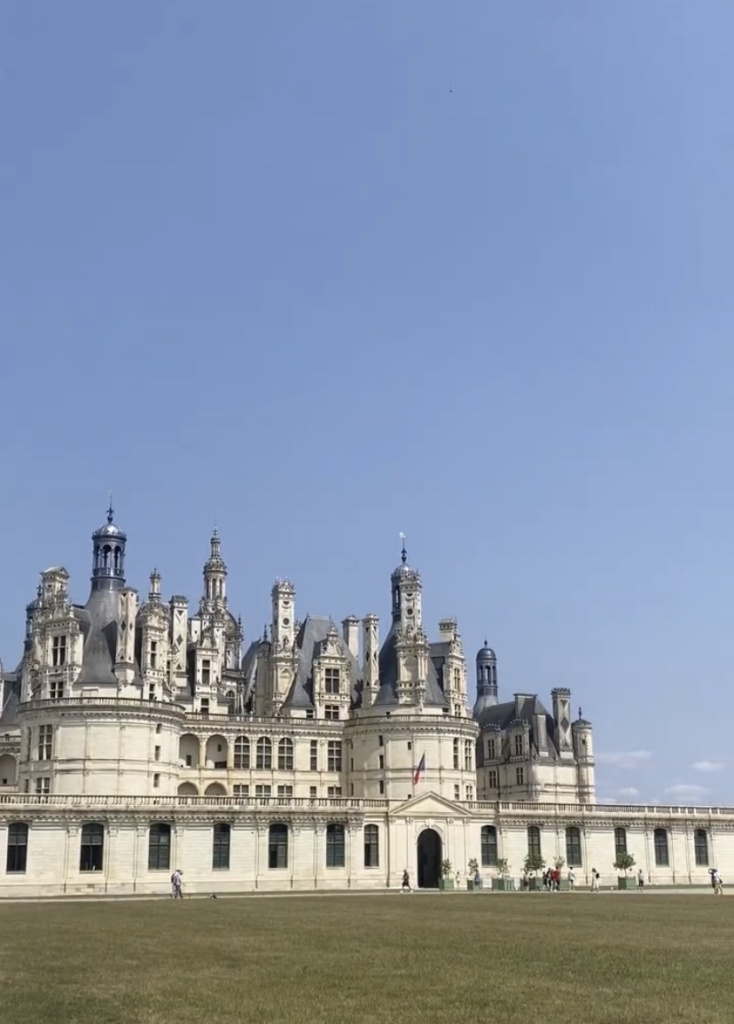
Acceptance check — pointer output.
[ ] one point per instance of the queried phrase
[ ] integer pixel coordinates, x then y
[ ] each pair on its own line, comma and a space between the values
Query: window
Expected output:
457, 678
241, 752
701, 848
285, 755
469, 791
157, 754
382, 761
410, 745
264, 757
331, 712
278, 846
331, 680
58, 651
154, 654
312, 792
492, 778
620, 842
489, 846
382, 787
467, 755
285, 792
206, 672
309, 713
456, 754
45, 742
573, 847
334, 756
371, 846
56, 689
380, 741
335, 846
92, 848
457, 792
263, 792
221, 836
156, 780
534, 849
17, 856
520, 776
43, 787
189, 760
519, 746
241, 791
491, 750
334, 792
314, 756
661, 848
205, 705
159, 847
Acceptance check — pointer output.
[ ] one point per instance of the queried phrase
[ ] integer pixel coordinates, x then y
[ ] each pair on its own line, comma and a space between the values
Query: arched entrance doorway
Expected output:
429, 859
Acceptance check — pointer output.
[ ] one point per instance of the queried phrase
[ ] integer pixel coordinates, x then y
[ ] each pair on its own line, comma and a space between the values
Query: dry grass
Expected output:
438, 959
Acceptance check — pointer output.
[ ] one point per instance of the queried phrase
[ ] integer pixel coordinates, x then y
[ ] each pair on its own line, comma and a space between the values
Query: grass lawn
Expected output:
428, 959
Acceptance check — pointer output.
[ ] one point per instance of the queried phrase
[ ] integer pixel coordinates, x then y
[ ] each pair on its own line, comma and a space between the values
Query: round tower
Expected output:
215, 572
487, 692
583, 748
108, 561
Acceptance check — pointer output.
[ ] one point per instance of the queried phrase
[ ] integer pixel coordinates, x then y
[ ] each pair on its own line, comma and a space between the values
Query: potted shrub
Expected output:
473, 869
503, 882
446, 881
624, 863
532, 864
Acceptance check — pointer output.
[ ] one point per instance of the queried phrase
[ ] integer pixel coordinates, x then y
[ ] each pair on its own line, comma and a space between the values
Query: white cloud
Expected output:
683, 791
625, 758
628, 791
709, 766
607, 800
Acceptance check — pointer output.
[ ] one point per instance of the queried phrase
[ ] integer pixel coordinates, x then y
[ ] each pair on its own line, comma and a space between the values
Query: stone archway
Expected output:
430, 852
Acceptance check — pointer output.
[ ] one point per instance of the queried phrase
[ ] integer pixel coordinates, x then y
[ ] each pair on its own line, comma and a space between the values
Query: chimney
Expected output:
350, 632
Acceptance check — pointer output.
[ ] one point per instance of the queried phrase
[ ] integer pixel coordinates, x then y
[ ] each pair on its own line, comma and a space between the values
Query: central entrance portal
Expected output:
429, 859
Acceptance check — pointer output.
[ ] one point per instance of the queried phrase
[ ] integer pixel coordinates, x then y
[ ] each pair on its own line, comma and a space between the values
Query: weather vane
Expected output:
404, 553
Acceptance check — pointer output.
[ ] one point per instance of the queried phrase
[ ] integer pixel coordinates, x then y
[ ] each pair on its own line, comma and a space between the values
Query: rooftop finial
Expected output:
404, 553
581, 712
110, 510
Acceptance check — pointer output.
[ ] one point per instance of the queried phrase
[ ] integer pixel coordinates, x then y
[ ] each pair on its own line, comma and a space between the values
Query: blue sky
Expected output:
319, 273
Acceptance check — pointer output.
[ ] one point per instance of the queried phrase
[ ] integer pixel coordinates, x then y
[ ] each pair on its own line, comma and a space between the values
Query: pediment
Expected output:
429, 805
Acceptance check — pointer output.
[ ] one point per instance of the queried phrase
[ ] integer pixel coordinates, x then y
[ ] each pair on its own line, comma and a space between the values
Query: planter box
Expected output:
536, 884
471, 885
445, 883
503, 884
564, 886
626, 882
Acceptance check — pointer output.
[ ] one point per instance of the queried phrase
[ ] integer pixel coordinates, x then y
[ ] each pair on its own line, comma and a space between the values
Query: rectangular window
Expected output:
331, 680
467, 755
240, 790
519, 746
285, 792
56, 689
382, 761
701, 848
157, 754
489, 846
91, 854
58, 651
371, 846
189, 760
382, 788
573, 847
335, 845
491, 750
17, 856
410, 745
159, 847
331, 712
154, 654
456, 755
314, 756
457, 678
620, 843
312, 792
661, 848
45, 742
469, 793
534, 847
334, 756
492, 778
156, 780
457, 792
43, 787
221, 835
206, 672
205, 705
278, 846
520, 776
263, 792
151, 691
309, 713
380, 741
334, 792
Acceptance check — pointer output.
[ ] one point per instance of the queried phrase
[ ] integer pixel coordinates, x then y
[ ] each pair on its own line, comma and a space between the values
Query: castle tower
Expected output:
215, 577
406, 595
562, 719
487, 690
282, 643
583, 748
412, 649
108, 563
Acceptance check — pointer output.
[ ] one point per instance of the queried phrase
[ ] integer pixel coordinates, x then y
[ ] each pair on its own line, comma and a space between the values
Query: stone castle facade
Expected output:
138, 736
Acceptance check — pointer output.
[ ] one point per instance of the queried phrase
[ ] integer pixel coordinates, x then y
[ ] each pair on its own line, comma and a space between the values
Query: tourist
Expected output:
594, 880
640, 881
177, 884
405, 885
571, 879
716, 882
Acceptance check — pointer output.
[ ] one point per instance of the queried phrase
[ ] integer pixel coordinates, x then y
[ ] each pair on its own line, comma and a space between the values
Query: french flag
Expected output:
421, 768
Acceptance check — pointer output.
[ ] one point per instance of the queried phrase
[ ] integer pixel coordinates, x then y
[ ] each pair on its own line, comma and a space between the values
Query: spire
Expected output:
154, 594
110, 511
215, 571
403, 552
108, 564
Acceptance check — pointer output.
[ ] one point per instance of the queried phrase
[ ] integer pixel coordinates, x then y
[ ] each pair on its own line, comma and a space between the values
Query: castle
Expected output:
135, 737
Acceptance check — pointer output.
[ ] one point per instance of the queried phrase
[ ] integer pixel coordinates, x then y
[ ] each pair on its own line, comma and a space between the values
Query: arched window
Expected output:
467, 755
17, 856
278, 846
221, 835
92, 847
701, 848
573, 847
534, 847
335, 844
264, 757
456, 754
661, 848
159, 847
371, 846
241, 752
285, 755
620, 842
489, 846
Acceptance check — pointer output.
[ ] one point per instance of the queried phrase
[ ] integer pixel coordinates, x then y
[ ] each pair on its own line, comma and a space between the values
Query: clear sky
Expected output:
321, 272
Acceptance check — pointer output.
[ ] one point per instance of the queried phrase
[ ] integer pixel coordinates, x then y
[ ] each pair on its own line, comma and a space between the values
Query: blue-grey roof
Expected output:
388, 666
99, 627
9, 700
501, 716
312, 634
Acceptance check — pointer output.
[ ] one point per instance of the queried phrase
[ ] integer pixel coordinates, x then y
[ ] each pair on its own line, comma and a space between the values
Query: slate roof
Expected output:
501, 716
388, 664
313, 632
9, 700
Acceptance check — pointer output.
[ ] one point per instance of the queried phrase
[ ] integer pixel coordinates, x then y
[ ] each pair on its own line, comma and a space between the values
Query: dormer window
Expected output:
206, 672
154, 654
519, 746
491, 750
58, 651
331, 680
